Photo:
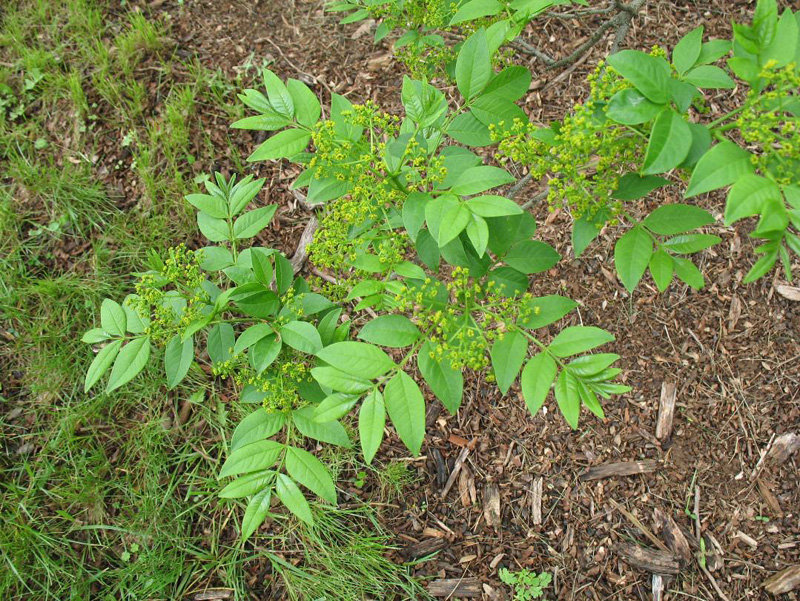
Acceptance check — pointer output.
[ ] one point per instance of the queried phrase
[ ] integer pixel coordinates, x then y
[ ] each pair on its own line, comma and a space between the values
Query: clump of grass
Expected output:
141, 38
343, 557
393, 479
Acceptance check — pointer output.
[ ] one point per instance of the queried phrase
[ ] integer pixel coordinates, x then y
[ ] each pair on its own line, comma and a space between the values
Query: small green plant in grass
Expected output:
526, 584
394, 479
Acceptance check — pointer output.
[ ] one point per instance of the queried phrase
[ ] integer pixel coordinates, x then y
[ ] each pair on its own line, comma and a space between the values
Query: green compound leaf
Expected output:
473, 65
331, 432
709, 77
336, 379
531, 256
578, 339
632, 255
259, 425
446, 382
568, 397
130, 361
393, 331
334, 407
178, 358
302, 336
631, 107
307, 108
283, 145
690, 243
253, 457
536, 379
101, 363
293, 499
661, 268
721, 166
371, 421
216, 230
249, 484
544, 310
748, 196
479, 179
633, 186
669, 143
453, 222
493, 206
508, 353
252, 222
687, 51
688, 273
309, 471
406, 408
357, 359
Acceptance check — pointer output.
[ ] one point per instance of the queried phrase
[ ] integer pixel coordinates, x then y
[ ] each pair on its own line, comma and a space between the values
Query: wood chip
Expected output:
465, 482
673, 536
214, 594
491, 505
462, 457
783, 447
746, 539
784, 581
649, 560
666, 410
497, 559
423, 548
455, 587
769, 498
625, 468
658, 587
790, 292
536, 501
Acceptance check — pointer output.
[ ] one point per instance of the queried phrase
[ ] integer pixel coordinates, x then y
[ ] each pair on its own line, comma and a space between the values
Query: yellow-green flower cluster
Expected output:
589, 155
173, 297
767, 124
475, 315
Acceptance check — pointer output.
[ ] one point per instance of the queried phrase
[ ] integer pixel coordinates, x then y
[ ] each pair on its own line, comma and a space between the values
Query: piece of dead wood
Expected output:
441, 467
666, 410
658, 587
465, 483
536, 500
673, 536
625, 468
735, 312
301, 254
214, 594
649, 560
783, 447
491, 505
784, 581
769, 498
635, 521
455, 587
462, 457
790, 292
423, 548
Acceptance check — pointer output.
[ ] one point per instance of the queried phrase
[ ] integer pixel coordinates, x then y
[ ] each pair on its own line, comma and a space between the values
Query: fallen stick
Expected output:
462, 457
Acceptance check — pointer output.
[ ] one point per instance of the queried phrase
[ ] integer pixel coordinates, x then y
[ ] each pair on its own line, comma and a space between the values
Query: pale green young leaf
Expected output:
748, 196
578, 339
252, 457
493, 206
661, 268
406, 408
259, 425
283, 145
690, 243
393, 331
95, 335
591, 365
357, 358
293, 499
251, 223
101, 363
479, 179
249, 484
306, 469
242, 193
279, 97
178, 358
478, 234
112, 317
221, 339
475, 9
256, 512
213, 206
544, 310
688, 273
721, 166
649, 74
669, 220
709, 77
536, 379
453, 223
129, 362
216, 230
568, 398
687, 50
371, 421
670, 141
334, 407
508, 353
307, 108
473, 65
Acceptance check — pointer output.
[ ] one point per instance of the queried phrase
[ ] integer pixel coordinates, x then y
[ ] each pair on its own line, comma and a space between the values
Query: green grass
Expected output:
108, 496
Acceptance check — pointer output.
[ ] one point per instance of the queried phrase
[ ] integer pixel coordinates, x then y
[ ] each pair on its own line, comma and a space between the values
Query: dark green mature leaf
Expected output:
690, 243
249, 484
632, 255
507, 281
393, 331
293, 499
307, 108
253, 457
633, 186
414, 212
262, 354
701, 142
306, 469
473, 65
688, 273
446, 382
661, 268
649, 74
406, 408
112, 318
531, 256
748, 196
721, 166
336, 379
252, 222
259, 425
479, 179
334, 407
302, 336
467, 129
578, 339
669, 220
371, 421
178, 358
221, 340
508, 353
357, 358
670, 141
536, 379
511, 83
129, 362
279, 97
101, 363
283, 145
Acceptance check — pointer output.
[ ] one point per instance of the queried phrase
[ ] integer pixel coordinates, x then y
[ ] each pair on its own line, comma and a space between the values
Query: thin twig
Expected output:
698, 533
